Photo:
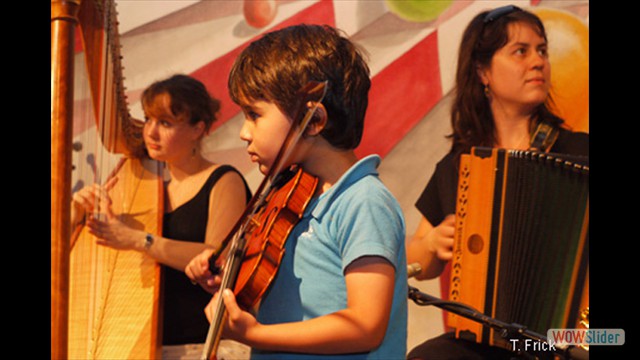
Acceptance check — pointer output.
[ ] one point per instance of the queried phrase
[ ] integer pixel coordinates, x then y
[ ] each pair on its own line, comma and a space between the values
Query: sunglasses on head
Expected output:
500, 12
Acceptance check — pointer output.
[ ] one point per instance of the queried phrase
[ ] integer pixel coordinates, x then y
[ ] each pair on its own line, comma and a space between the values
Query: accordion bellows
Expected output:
521, 241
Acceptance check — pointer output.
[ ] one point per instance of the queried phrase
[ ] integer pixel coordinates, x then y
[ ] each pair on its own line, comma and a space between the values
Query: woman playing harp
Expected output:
102, 300
105, 302
202, 201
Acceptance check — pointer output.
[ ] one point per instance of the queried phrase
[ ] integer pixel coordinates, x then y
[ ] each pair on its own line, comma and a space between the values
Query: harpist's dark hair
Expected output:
190, 99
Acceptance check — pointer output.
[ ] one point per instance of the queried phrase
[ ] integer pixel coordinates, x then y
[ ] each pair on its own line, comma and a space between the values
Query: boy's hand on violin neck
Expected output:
240, 323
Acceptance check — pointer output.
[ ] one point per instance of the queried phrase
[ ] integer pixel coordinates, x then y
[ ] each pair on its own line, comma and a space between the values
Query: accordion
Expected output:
521, 241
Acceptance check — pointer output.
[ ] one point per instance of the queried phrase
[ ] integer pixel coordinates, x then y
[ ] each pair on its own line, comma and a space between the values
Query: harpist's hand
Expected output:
111, 232
198, 271
89, 199
440, 238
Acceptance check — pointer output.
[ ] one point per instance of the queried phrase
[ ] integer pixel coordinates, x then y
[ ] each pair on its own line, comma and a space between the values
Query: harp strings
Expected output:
107, 164
92, 165
112, 294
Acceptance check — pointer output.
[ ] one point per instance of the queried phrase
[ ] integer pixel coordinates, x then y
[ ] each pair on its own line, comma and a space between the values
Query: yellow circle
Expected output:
568, 37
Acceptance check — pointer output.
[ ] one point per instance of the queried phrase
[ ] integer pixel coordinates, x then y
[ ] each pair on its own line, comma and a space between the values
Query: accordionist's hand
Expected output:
440, 238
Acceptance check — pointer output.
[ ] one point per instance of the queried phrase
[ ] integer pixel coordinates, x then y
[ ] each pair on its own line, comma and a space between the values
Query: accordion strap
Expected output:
543, 137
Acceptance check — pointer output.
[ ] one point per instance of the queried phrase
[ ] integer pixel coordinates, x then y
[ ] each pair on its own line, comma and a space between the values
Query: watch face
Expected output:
148, 241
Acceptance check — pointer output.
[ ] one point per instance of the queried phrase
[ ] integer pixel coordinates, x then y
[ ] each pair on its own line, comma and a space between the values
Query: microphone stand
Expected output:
506, 330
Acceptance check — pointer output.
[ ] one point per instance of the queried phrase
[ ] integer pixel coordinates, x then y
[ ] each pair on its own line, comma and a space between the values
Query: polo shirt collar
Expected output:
364, 167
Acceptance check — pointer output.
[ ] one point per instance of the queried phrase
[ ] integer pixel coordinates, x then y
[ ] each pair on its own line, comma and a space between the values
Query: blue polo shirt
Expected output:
356, 217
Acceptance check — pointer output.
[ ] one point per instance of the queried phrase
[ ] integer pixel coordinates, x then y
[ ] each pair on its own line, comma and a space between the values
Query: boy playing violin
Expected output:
341, 289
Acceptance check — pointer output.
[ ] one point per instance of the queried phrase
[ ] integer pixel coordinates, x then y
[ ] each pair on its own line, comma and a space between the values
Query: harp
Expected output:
104, 302
521, 241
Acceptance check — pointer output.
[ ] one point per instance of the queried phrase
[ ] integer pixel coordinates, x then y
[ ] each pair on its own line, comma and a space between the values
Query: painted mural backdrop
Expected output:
412, 47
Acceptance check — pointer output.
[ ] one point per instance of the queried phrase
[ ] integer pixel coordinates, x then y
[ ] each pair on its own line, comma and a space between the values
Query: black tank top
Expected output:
184, 321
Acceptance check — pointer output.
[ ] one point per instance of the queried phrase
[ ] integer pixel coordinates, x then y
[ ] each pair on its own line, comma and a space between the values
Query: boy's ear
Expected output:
318, 120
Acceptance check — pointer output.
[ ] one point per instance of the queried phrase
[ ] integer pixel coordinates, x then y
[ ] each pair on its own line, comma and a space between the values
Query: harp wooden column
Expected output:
63, 21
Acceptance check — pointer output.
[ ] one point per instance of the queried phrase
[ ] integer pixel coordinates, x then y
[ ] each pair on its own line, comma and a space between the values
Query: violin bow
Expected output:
314, 92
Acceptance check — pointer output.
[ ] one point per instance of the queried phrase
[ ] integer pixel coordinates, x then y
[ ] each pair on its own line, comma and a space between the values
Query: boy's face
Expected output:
265, 128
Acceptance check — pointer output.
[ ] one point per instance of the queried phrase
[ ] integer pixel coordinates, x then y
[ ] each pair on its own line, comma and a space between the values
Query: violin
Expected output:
284, 206
257, 241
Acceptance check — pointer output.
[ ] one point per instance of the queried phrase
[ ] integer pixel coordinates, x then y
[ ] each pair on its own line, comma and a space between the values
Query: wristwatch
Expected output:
148, 241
